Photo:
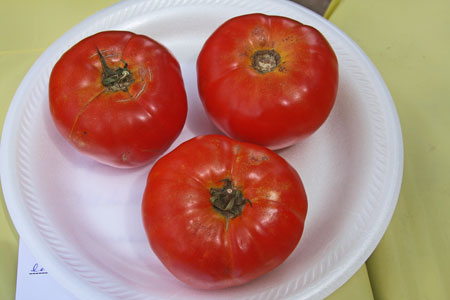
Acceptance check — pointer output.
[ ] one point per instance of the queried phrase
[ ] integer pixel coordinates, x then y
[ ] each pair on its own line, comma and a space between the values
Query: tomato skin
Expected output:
125, 128
274, 109
193, 240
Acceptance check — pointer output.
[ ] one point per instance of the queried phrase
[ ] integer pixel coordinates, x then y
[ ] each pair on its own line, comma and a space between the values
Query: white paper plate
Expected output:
82, 219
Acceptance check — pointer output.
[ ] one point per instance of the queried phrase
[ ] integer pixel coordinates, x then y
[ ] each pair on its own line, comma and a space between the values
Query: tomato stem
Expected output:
264, 61
115, 80
228, 200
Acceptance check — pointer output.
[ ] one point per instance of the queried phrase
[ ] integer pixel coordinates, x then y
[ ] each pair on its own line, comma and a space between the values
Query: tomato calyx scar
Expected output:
264, 61
115, 80
228, 200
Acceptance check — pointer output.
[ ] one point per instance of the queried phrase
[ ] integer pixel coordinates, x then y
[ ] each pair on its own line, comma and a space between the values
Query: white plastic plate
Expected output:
83, 221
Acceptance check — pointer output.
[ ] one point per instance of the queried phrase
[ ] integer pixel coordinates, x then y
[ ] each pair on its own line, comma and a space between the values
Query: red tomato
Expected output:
119, 98
268, 80
219, 212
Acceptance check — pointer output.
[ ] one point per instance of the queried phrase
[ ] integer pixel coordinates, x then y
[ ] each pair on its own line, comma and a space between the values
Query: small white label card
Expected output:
34, 281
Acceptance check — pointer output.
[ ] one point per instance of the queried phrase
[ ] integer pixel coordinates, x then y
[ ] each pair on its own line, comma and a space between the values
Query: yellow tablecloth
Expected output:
408, 41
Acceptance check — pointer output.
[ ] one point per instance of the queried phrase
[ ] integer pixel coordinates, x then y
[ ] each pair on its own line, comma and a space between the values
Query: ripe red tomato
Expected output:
268, 80
219, 212
119, 98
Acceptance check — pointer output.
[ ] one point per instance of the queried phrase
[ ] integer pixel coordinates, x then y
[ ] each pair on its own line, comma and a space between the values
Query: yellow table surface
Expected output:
407, 40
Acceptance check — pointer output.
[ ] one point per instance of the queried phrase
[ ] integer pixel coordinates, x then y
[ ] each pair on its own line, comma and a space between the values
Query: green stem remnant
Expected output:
228, 200
115, 80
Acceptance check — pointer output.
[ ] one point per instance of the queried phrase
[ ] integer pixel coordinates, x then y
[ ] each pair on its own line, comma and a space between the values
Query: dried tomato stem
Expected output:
115, 80
228, 200
264, 61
